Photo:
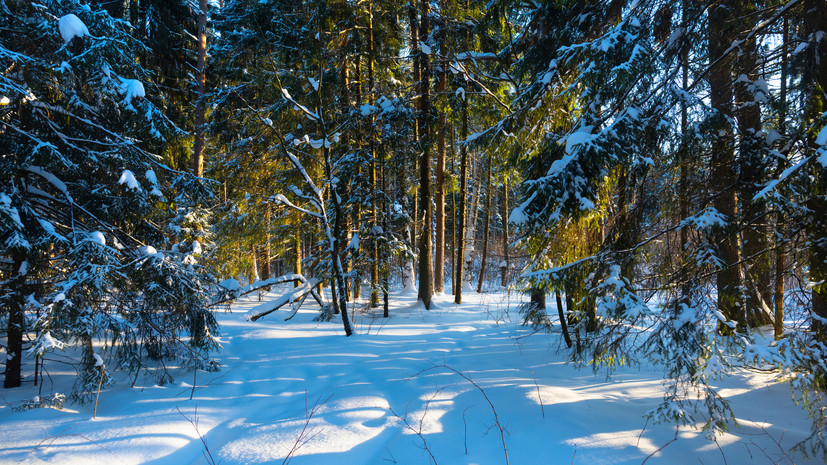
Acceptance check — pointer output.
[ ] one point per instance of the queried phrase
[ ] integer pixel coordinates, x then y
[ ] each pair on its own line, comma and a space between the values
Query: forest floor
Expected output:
411, 389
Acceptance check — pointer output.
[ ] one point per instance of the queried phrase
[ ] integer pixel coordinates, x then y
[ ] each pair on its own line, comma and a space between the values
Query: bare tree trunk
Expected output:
453, 216
439, 195
200, 102
563, 323
14, 326
415, 103
486, 229
778, 291
463, 208
374, 269
815, 82
426, 285
471, 227
504, 264
751, 167
722, 170
297, 245
339, 297
683, 186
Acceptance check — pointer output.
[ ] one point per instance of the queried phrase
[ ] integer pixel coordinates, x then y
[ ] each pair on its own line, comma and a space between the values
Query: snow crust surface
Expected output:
366, 387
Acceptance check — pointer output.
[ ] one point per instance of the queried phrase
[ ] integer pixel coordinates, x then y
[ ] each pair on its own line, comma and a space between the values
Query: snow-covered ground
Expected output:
412, 389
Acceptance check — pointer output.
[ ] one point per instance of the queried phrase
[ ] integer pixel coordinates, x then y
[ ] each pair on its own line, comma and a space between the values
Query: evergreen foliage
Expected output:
98, 247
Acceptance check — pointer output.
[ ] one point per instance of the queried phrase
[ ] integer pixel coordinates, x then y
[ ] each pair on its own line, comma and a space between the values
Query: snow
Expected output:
231, 284
708, 218
366, 110
98, 237
4, 100
128, 178
153, 181
582, 136
52, 179
147, 250
71, 26
46, 342
131, 88
150, 176
361, 390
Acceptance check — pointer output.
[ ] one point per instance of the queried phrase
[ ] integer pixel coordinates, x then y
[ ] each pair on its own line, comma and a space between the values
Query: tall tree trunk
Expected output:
297, 246
563, 323
439, 195
752, 167
486, 229
374, 269
463, 206
338, 282
15, 324
266, 258
815, 84
471, 226
722, 169
200, 102
778, 291
454, 220
415, 103
346, 224
504, 264
683, 186
426, 285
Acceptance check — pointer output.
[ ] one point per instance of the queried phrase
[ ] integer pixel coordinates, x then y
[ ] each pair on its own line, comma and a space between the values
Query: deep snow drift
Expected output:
389, 395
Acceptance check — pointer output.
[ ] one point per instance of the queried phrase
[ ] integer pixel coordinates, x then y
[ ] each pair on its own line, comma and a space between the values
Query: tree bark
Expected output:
463, 207
683, 186
563, 323
15, 328
486, 229
415, 103
504, 265
815, 84
752, 166
439, 195
200, 102
374, 269
339, 296
778, 291
426, 285
722, 160
297, 246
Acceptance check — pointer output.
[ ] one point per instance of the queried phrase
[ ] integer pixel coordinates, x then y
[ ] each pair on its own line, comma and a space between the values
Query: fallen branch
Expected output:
233, 291
298, 294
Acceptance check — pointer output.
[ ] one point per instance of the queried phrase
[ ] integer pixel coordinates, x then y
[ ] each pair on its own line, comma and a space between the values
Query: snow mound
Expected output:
97, 236
128, 178
71, 26
132, 88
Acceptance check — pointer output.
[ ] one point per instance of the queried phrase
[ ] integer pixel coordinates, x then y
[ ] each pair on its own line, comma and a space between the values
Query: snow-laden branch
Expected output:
282, 200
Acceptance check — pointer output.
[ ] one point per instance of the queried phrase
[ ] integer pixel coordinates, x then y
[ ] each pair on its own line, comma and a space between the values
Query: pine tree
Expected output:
82, 199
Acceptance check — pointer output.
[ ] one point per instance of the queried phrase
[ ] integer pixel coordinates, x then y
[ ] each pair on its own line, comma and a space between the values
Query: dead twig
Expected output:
542, 407
482, 391
677, 428
418, 431
306, 434
194, 422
